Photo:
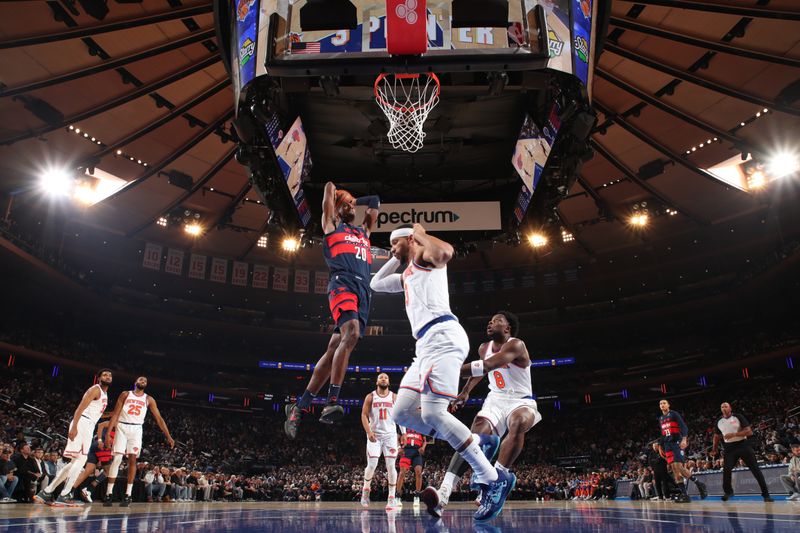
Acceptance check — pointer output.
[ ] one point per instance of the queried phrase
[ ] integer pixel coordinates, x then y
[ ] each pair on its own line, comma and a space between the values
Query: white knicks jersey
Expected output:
380, 418
96, 407
134, 409
427, 295
510, 379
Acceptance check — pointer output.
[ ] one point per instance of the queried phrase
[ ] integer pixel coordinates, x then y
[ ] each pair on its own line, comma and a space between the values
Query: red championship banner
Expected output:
321, 282
301, 278
152, 256
239, 274
406, 27
219, 270
280, 279
197, 266
174, 262
260, 276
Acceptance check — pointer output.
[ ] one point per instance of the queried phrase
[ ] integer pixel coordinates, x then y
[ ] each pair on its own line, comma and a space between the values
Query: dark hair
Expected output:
405, 226
513, 321
100, 372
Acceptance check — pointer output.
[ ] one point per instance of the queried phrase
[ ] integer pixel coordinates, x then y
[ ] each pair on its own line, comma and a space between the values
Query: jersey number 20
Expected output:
361, 253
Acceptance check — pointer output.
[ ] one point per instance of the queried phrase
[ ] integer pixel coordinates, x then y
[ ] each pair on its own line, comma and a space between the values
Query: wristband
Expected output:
477, 369
372, 202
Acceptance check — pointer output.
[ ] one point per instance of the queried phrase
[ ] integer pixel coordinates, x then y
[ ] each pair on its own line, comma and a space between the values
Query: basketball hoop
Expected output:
406, 100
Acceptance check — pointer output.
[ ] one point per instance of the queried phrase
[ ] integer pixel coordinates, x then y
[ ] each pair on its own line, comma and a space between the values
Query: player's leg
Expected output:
350, 332
519, 422
75, 468
391, 478
373, 454
749, 457
131, 478
320, 375
418, 478
407, 407
458, 466
401, 477
118, 449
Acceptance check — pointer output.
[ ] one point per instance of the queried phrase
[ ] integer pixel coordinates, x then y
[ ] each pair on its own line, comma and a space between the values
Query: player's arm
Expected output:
386, 279
715, 445
365, 409
151, 404
100, 427
329, 208
435, 251
424, 445
373, 204
90, 395
112, 424
512, 351
684, 430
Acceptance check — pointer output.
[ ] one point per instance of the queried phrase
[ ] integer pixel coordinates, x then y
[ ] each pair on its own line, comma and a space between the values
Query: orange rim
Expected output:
402, 109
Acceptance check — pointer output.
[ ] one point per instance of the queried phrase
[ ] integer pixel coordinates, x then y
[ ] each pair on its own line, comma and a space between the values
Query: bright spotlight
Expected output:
639, 220
56, 182
262, 241
756, 180
193, 229
537, 240
783, 164
290, 244
162, 221
566, 235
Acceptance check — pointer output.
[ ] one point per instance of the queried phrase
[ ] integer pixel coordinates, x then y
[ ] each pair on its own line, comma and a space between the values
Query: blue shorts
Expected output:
673, 451
349, 298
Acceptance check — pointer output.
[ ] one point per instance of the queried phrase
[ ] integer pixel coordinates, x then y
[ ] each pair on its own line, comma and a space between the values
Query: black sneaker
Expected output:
726, 496
701, 487
44, 497
768, 498
683, 498
332, 413
107, 500
293, 416
126, 501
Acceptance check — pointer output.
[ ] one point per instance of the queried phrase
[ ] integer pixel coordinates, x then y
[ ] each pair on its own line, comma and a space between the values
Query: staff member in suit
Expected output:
734, 429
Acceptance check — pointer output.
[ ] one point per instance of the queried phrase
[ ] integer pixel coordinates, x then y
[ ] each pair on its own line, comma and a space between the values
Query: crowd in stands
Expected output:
224, 454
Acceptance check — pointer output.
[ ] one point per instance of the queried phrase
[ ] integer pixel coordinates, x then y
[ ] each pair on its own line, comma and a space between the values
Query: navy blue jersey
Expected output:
673, 428
347, 251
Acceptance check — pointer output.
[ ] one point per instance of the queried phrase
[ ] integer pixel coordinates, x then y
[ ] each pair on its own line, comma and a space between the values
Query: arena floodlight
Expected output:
322, 15
537, 240
756, 180
55, 182
193, 229
290, 244
639, 220
783, 164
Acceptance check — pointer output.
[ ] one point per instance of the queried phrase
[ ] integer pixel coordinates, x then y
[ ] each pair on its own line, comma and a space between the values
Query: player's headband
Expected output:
401, 232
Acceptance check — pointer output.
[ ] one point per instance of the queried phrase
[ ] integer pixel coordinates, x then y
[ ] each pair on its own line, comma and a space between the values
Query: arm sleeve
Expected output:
372, 202
386, 280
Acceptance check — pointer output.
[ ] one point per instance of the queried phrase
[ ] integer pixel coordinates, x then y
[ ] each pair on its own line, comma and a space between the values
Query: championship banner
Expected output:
219, 270
197, 266
174, 262
260, 276
152, 256
321, 282
280, 279
301, 278
239, 274
437, 216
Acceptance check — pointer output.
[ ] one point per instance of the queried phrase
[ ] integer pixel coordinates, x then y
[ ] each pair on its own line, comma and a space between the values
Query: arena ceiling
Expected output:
142, 95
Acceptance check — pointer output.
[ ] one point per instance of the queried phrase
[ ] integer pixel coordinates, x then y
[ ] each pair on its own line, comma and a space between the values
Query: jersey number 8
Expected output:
498, 378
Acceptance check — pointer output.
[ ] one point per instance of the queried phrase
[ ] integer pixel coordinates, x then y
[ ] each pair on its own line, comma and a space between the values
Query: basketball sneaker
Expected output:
293, 416
494, 496
399, 502
107, 500
126, 501
416, 500
490, 446
365, 498
701, 488
435, 500
44, 497
66, 501
87, 497
767, 498
391, 503
331, 413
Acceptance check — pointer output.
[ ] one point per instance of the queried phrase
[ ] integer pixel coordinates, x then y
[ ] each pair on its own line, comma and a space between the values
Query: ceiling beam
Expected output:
181, 150
697, 80
199, 184
232, 204
752, 12
108, 65
647, 139
134, 22
634, 177
704, 43
178, 111
116, 102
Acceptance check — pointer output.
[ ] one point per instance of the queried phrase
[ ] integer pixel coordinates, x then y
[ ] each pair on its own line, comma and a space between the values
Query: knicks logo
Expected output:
392, 450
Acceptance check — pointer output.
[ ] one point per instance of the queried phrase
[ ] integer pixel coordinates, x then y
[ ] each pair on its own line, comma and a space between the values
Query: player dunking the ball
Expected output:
81, 431
431, 382
509, 408
346, 248
126, 425
376, 417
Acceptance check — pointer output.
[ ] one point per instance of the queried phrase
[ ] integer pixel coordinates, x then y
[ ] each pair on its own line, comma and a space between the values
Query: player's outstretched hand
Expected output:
171, 442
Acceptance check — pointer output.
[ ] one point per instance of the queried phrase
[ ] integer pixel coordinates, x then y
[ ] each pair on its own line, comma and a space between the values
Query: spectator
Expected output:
28, 471
8, 479
791, 481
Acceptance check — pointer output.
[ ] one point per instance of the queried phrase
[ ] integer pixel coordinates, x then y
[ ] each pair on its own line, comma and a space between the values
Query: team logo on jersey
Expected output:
392, 450
135, 450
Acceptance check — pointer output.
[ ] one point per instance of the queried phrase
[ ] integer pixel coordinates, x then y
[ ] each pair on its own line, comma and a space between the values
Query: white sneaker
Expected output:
86, 496
399, 503
655, 499
365, 498
416, 501
391, 503
794, 497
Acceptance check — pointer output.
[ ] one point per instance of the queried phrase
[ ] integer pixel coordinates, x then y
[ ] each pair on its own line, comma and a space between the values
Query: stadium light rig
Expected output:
783, 164
193, 229
290, 244
639, 220
537, 240
56, 182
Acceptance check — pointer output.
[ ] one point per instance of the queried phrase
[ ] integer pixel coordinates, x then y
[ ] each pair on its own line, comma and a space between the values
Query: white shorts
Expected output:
497, 409
386, 445
437, 364
83, 440
128, 439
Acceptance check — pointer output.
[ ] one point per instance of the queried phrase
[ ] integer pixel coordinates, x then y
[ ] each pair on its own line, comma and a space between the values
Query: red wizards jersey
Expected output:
347, 251
414, 439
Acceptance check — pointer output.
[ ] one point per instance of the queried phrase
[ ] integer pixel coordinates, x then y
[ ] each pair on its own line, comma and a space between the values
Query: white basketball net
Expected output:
407, 99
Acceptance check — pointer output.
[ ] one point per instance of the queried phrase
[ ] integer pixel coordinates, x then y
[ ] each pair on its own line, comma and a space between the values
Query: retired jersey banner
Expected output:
438, 216
197, 266
260, 276
321, 282
219, 270
280, 279
152, 256
301, 280
239, 274
174, 262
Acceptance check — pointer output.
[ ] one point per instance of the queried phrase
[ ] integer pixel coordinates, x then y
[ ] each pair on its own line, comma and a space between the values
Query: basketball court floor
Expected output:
617, 517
